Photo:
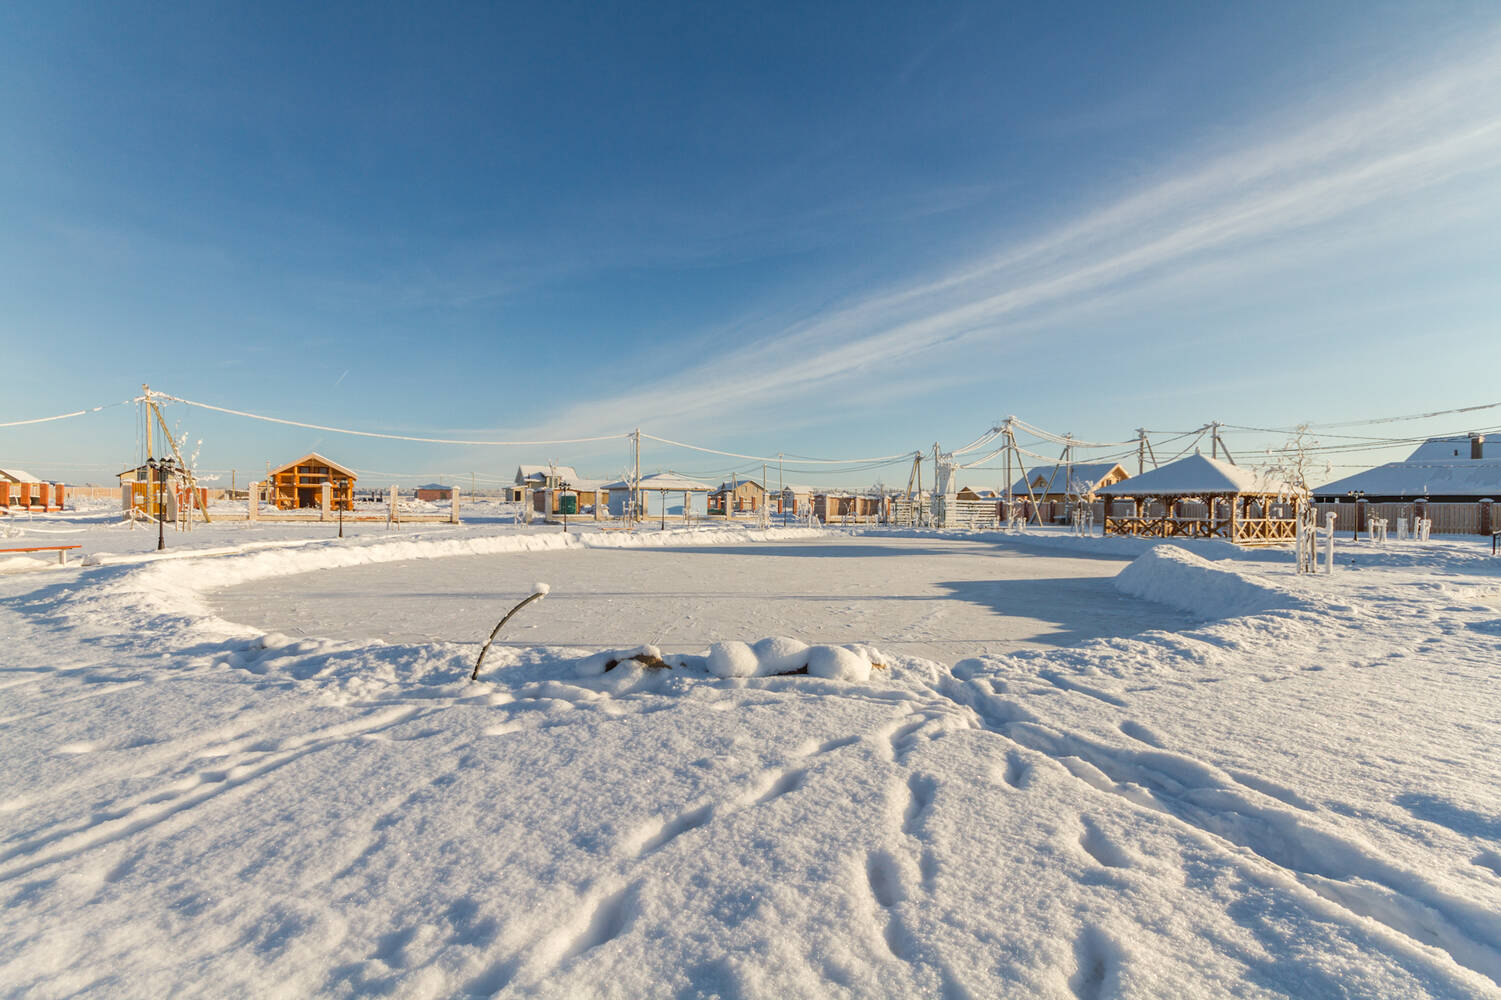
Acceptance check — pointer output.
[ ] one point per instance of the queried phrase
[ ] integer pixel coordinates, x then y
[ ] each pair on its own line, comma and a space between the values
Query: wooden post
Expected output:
253, 502
325, 492
453, 515
391, 513
1235, 501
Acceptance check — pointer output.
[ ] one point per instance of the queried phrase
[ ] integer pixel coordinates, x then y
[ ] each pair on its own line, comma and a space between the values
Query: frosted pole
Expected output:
1329, 544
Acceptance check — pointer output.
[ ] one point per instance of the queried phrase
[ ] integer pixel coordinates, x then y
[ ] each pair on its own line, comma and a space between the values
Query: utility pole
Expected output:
1214, 439
1141, 450
781, 507
636, 476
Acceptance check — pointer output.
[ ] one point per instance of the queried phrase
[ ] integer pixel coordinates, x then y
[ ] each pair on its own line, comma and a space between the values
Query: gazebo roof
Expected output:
1196, 475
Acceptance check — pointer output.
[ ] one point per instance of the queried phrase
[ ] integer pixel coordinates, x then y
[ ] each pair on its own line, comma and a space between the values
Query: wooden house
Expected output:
745, 495
792, 500
1201, 497
1061, 483
834, 506
434, 493
140, 490
298, 485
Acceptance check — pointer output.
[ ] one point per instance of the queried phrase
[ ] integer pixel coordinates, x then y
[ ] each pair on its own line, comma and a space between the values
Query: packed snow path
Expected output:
938, 598
1298, 799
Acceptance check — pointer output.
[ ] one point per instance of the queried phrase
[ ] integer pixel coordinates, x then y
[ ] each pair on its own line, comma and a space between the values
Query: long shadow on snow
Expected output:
1083, 608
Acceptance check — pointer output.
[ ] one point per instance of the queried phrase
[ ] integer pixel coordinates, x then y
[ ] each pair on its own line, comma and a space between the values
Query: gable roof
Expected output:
1196, 475
1445, 449
1480, 477
525, 473
724, 487
1090, 473
313, 458
18, 476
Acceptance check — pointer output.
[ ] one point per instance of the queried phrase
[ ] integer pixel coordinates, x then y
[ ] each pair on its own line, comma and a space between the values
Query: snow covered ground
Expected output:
1291, 789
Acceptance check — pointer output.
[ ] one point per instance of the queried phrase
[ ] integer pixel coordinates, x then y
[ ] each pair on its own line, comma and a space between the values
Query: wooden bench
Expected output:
61, 550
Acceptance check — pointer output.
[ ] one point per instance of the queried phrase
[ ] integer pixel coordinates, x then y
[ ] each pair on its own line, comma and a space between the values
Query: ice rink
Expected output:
941, 599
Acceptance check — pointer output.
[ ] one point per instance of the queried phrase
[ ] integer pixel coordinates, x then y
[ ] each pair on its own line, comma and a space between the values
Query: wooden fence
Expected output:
1447, 518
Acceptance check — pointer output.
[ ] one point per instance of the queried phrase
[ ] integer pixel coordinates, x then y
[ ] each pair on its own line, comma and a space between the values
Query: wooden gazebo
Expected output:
299, 484
1199, 497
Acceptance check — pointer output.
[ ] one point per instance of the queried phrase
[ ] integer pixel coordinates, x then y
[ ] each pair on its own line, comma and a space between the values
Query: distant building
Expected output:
435, 492
1443, 470
19, 488
298, 485
1065, 482
744, 495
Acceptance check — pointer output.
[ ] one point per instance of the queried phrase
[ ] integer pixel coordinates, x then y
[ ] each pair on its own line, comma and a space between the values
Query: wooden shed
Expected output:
1200, 497
298, 485
744, 495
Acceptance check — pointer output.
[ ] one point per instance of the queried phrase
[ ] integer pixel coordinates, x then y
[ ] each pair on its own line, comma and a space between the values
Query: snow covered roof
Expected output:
669, 481
1474, 478
1091, 473
1444, 449
525, 473
724, 487
1195, 475
434, 486
313, 458
17, 476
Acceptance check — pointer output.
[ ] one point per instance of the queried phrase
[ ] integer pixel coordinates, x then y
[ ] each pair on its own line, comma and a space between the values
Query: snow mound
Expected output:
733, 659
608, 659
1170, 575
773, 656
22, 564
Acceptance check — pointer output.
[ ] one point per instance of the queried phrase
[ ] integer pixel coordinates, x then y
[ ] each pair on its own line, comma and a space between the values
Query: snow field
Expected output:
1298, 799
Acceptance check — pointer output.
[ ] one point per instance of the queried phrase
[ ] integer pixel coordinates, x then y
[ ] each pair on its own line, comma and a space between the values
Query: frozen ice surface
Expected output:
939, 598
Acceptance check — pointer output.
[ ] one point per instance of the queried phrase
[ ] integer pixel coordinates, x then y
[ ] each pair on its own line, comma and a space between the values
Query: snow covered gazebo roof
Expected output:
1197, 475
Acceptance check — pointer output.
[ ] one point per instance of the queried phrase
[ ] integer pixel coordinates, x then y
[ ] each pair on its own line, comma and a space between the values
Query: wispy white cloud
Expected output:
1369, 154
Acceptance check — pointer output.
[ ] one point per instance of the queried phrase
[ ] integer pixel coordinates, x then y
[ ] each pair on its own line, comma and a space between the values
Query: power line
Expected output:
65, 416
387, 437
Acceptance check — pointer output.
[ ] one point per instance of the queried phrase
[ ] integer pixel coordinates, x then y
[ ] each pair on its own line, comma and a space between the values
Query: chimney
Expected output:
1477, 446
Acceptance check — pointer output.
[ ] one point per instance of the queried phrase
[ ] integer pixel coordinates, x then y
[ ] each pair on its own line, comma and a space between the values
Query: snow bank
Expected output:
1169, 575
770, 657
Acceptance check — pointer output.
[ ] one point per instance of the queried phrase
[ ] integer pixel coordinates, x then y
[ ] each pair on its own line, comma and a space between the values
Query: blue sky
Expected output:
846, 231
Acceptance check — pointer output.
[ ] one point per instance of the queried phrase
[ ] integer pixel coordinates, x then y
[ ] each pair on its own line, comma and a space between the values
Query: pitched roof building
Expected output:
1449, 469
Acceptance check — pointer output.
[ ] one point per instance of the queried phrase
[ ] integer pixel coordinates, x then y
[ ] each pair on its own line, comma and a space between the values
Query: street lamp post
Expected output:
563, 503
343, 488
1355, 497
154, 472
